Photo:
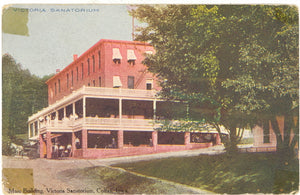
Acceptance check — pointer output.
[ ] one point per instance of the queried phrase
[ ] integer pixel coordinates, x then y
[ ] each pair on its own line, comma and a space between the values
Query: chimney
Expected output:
57, 71
75, 56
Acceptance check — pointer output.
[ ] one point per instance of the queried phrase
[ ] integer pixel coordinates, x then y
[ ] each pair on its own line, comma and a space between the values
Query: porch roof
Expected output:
97, 92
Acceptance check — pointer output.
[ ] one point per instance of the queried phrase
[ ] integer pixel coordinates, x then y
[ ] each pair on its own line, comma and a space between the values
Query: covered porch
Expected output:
114, 143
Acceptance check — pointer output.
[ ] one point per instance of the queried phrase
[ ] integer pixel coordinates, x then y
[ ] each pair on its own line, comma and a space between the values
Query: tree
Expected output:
270, 67
23, 95
226, 61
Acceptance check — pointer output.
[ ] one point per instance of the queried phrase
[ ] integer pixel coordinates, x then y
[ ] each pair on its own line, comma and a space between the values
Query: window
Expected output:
55, 90
58, 85
67, 80
99, 59
266, 131
93, 63
88, 61
81, 70
131, 56
149, 83
116, 56
149, 86
117, 82
94, 83
130, 82
99, 81
77, 73
72, 83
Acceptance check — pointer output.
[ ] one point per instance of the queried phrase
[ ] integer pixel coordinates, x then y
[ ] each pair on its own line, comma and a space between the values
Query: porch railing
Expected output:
99, 122
119, 92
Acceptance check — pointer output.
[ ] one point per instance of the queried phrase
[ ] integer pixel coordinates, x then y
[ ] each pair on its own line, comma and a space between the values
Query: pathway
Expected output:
46, 171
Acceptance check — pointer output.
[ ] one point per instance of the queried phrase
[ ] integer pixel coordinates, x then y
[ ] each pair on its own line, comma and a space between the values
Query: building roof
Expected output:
94, 47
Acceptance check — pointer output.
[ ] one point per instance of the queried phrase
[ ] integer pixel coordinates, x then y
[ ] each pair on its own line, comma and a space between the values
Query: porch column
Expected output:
49, 144
73, 144
120, 111
154, 139
154, 109
218, 139
73, 109
38, 127
42, 145
29, 134
120, 139
83, 108
56, 116
33, 132
65, 112
84, 140
187, 138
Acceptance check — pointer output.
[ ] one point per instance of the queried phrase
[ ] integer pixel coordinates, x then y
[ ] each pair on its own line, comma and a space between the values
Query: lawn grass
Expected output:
109, 180
242, 173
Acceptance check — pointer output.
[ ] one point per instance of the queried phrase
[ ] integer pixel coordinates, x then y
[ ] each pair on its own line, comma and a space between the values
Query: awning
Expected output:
149, 52
116, 54
117, 81
149, 81
130, 55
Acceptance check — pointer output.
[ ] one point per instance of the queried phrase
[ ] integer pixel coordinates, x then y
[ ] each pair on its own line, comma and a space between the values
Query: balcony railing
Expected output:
99, 123
118, 92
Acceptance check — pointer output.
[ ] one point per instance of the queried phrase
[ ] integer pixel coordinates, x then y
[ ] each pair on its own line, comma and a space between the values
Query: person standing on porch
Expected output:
69, 148
55, 151
77, 143
114, 145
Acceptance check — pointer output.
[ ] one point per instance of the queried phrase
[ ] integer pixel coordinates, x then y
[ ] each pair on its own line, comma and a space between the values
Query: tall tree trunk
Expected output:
231, 142
285, 147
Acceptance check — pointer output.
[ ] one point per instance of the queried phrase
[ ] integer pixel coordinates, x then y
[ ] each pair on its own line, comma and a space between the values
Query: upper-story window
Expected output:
117, 82
82, 71
72, 82
88, 61
149, 83
67, 80
93, 57
55, 90
77, 73
99, 81
130, 82
99, 59
58, 85
116, 56
131, 58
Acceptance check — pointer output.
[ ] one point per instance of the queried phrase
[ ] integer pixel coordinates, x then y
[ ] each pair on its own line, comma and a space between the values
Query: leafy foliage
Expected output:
234, 64
22, 95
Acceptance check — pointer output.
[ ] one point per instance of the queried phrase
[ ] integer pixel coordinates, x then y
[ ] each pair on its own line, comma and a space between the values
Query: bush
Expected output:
6, 149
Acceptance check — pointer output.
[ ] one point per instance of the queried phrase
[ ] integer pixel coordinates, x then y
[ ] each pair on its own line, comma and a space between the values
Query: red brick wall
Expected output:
107, 70
130, 151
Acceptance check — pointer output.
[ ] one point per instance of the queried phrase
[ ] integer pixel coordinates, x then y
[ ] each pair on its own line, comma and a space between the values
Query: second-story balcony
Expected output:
97, 123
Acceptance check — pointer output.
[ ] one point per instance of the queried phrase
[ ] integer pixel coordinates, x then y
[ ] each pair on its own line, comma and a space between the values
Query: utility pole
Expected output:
131, 8
132, 28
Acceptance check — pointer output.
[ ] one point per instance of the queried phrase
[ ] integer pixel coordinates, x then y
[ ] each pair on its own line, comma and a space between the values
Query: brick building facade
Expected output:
105, 104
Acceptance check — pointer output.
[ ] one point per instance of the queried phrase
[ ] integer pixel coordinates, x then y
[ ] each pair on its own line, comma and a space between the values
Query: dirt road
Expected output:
46, 172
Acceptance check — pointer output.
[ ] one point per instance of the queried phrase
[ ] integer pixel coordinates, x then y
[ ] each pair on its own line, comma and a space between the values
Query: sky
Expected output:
54, 36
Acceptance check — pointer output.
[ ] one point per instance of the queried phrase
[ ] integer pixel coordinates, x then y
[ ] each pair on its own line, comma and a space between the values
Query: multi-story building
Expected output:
105, 104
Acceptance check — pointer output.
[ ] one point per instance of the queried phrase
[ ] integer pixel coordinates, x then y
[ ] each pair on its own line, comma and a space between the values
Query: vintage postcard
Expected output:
150, 98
